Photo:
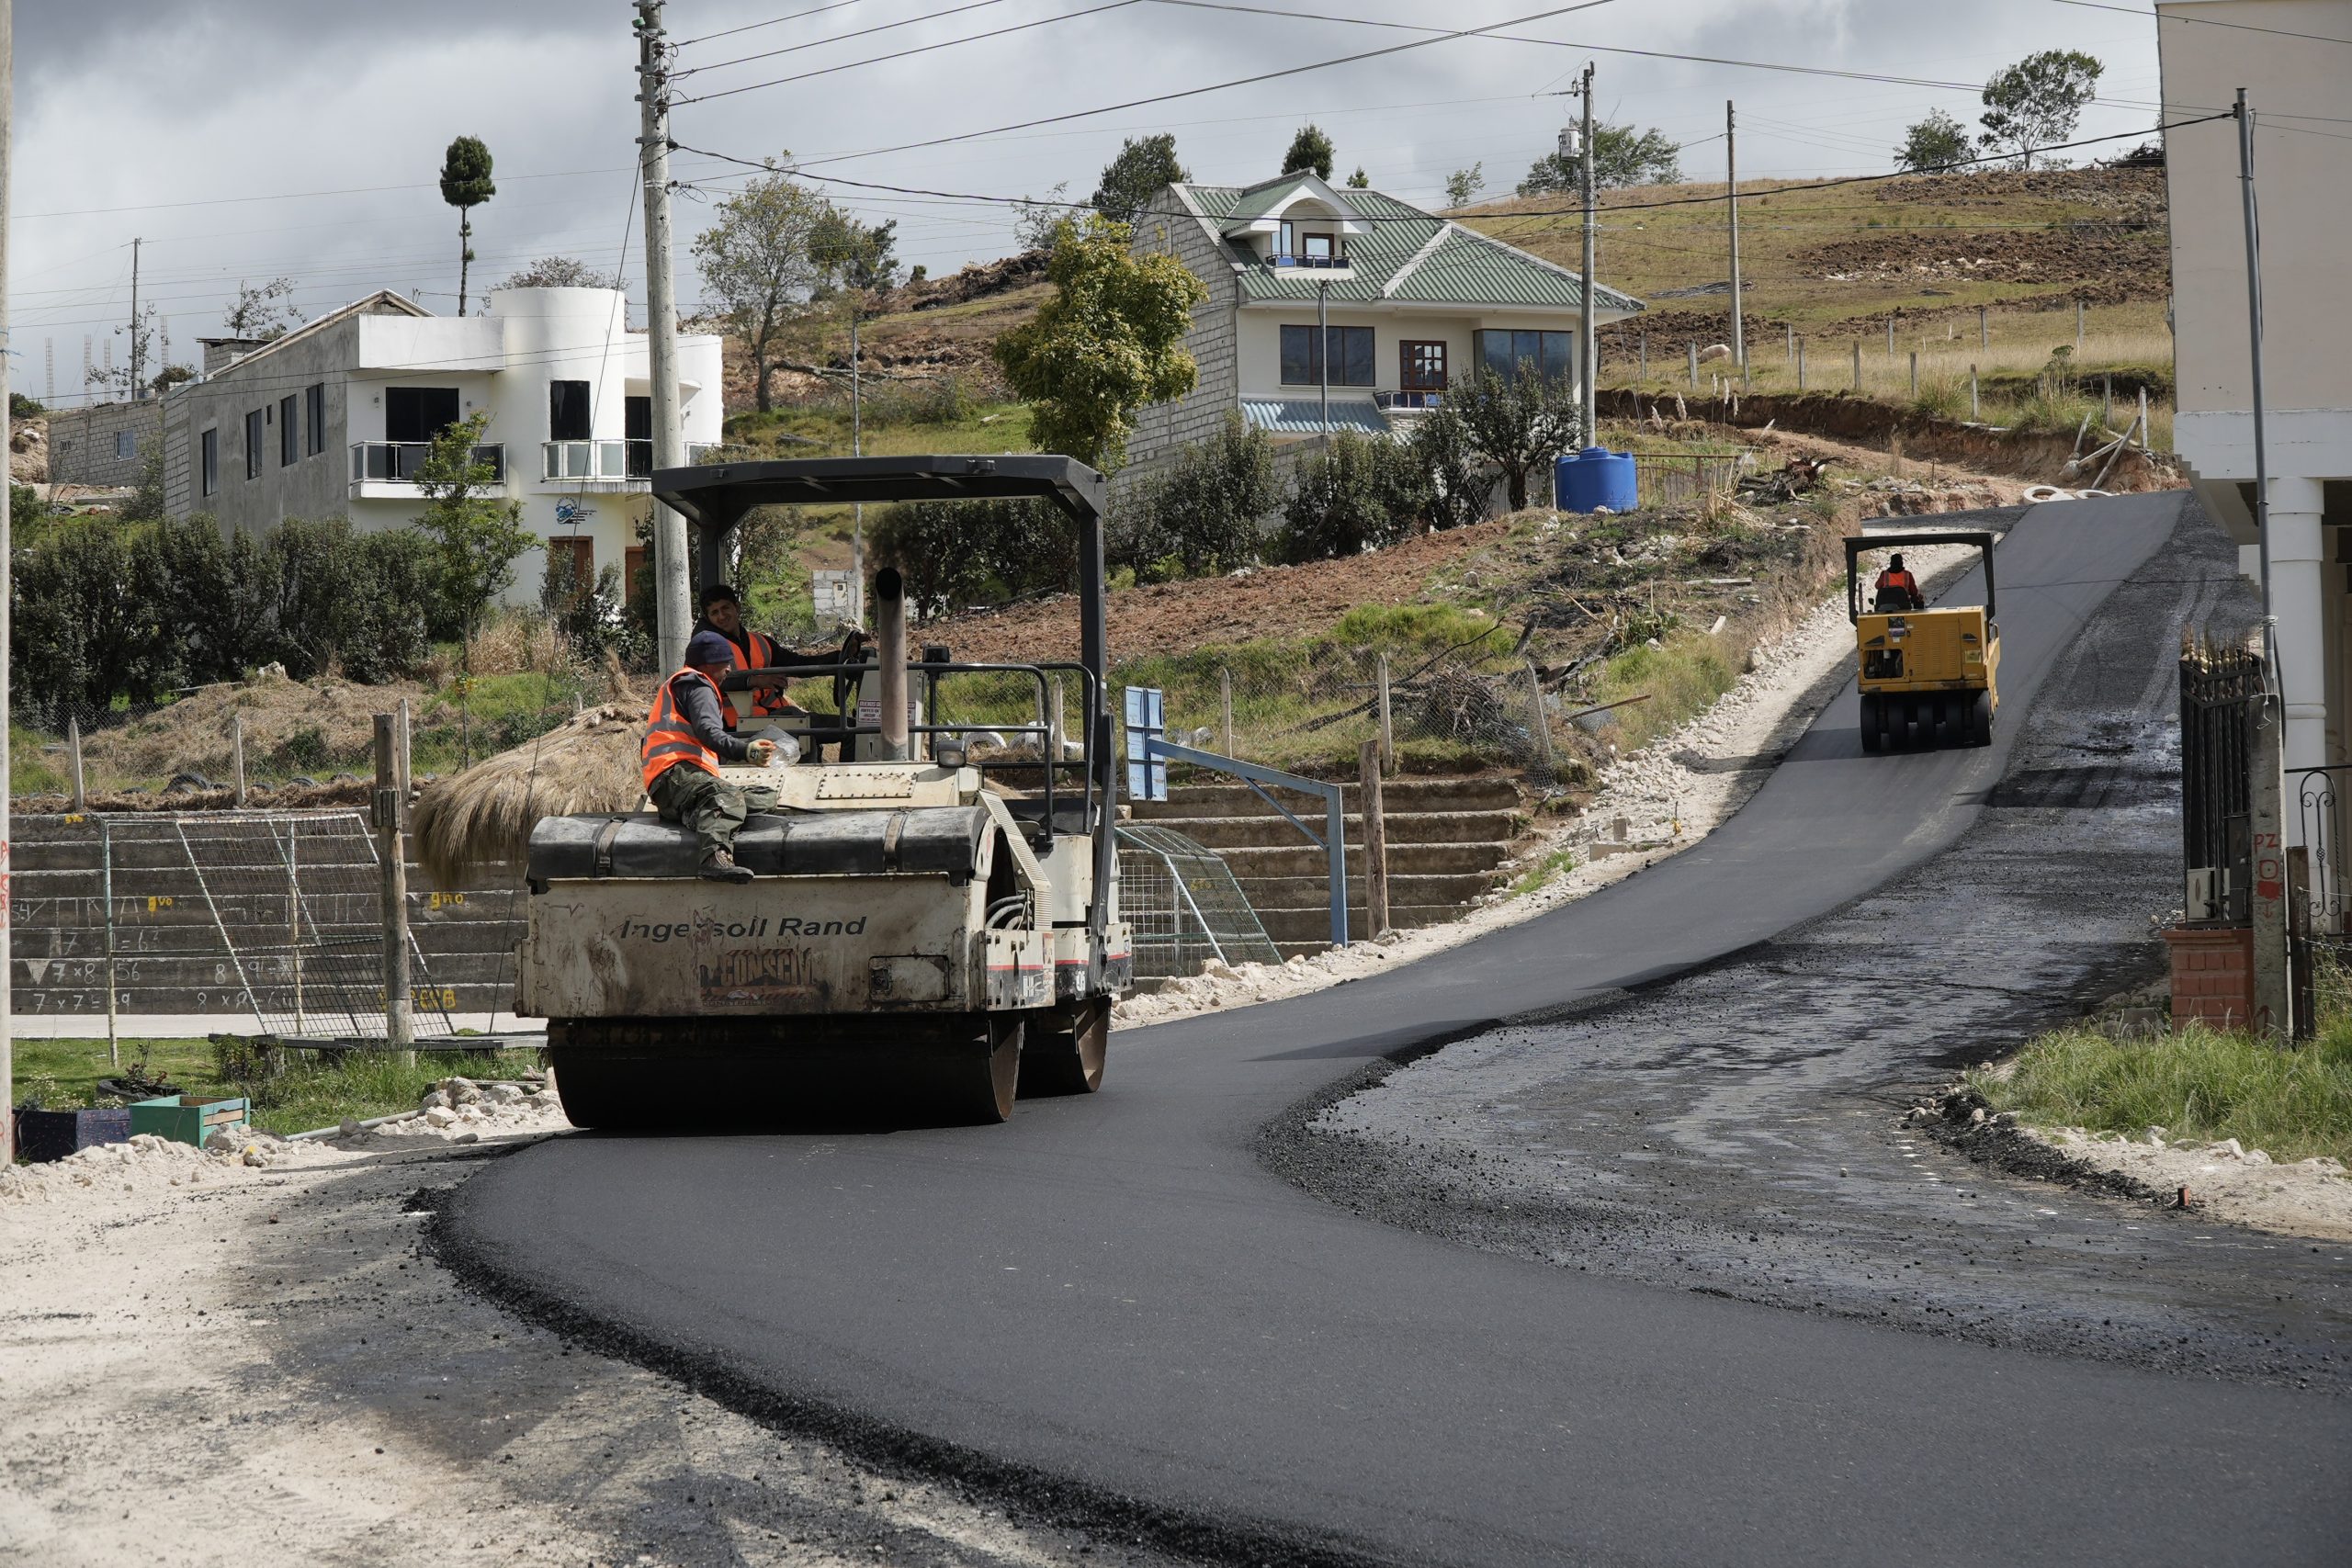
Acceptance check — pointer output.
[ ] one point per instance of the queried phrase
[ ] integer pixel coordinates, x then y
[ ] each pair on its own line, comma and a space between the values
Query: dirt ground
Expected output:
208, 1363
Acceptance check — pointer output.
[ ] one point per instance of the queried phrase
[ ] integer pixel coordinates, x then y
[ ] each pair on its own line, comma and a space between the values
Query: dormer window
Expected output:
1296, 246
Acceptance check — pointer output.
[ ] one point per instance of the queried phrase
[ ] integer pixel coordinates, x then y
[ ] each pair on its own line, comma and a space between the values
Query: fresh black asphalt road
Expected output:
1108, 1304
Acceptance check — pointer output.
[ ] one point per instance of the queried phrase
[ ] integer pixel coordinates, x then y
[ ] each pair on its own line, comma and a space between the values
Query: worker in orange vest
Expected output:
722, 612
1897, 589
685, 739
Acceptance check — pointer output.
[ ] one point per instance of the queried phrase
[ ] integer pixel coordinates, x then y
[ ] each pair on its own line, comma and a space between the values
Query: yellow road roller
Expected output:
1928, 677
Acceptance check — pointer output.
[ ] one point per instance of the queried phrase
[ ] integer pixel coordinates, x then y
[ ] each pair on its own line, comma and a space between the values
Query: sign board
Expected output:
1147, 716
570, 513
834, 591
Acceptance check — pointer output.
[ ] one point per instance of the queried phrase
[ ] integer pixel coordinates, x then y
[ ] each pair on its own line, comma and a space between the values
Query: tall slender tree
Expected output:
466, 185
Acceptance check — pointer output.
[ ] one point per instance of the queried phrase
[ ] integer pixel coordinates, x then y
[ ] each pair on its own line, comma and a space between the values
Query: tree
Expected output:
1359, 180
955, 554
1354, 496
1034, 220
2036, 102
755, 261
849, 256
477, 533
1933, 144
1202, 512
262, 314
561, 272
145, 330
1310, 149
1111, 340
1621, 156
1145, 166
1517, 422
466, 185
1463, 184
1456, 486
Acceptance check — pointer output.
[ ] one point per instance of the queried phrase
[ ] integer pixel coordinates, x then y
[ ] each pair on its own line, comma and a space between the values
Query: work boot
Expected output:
719, 867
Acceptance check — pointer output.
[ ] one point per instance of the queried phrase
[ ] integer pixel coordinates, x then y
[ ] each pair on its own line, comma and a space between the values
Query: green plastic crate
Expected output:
187, 1118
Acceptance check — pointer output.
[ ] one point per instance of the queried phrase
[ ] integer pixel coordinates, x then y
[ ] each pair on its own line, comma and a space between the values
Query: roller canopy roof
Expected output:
715, 494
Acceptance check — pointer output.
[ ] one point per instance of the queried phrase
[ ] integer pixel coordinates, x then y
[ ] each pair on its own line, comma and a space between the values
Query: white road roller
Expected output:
933, 925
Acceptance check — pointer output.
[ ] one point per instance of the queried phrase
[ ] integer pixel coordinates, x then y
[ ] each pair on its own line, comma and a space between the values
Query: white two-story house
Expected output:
1411, 301
332, 419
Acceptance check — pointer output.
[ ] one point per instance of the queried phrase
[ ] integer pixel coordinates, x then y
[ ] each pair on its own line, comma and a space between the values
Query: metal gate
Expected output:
2221, 689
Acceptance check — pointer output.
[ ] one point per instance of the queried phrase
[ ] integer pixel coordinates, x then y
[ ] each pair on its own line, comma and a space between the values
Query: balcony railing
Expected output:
590, 460
399, 462
1320, 261
1392, 401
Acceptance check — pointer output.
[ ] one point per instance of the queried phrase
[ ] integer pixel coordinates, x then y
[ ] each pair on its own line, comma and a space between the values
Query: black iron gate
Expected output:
2220, 688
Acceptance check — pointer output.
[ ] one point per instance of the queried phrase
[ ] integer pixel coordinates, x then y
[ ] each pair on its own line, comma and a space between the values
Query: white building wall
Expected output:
1260, 360
2296, 89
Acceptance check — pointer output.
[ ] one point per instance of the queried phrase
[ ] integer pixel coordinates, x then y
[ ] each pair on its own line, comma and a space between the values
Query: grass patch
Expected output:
1546, 872
308, 1093
1683, 675
2204, 1084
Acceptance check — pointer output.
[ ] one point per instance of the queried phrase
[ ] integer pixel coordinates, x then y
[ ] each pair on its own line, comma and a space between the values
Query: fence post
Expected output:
105, 898
294, 911
2106, 401
2273, 1018
1225, 705
1857, 364
1915, 372
237, 761
1375, 841
1800, 367
2078, 322
74, 759
1387, 728
2145, 444
1983, 327
1973, 414
391, 815
1536, 721
1890, 337
1694, 364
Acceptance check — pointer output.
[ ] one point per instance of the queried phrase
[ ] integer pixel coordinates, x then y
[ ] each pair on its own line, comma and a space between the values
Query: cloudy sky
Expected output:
246, 139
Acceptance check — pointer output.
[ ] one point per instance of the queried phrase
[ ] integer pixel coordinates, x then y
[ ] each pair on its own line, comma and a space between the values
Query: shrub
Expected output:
955, 554
1204, 513
1356, 495
1455, 482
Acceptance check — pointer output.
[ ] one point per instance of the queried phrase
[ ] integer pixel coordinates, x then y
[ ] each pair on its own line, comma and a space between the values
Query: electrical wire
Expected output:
2200, 21
904, 53
1196, 92
834, 37
772, 21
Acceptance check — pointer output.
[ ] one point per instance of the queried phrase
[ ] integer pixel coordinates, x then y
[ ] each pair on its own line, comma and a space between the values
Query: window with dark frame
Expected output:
252, 443
209, 465
1318, 247
1506, 353
1351, 357
570, 411
413, 415
1422, 364
316, 413
289, 432
126, 443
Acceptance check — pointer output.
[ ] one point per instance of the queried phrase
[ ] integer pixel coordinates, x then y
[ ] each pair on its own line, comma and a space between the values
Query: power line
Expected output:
772, 21
2200, 21
1196, 92
904, 53
835, 38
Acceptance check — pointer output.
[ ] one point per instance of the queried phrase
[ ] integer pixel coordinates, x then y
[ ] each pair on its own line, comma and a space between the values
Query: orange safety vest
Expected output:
761, 700
1903, 579
669, 739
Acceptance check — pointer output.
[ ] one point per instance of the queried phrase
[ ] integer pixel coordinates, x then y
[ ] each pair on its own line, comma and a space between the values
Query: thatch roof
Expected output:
469, 820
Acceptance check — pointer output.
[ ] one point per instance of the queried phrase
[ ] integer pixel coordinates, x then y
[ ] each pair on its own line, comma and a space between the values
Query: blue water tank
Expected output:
1595, 478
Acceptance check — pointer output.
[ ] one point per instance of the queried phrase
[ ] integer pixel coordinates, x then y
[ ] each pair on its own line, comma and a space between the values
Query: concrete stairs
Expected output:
1447, 837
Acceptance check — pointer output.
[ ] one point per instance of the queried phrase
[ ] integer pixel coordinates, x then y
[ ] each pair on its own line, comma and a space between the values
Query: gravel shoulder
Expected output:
205, 1362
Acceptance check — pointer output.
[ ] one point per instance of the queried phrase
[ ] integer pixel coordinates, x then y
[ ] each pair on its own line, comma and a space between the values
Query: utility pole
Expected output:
2253, 339
1731, 186
1323, 352
671, 614
137, 389
1590, 348
7, 1027
857, 449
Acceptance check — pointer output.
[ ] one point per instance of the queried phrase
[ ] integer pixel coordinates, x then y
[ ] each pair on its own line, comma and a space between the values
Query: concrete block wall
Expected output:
84, 446
1163, 429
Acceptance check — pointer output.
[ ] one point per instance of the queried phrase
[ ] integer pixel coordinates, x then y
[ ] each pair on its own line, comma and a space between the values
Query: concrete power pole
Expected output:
1731, 189
672, 614
7, 1027
1589, 370
136, 392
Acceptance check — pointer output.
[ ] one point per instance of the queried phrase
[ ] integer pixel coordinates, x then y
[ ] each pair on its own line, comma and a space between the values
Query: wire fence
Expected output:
1183, 907
276, 916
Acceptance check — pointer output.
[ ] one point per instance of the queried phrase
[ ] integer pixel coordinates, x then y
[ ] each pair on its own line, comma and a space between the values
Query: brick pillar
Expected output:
2212, 976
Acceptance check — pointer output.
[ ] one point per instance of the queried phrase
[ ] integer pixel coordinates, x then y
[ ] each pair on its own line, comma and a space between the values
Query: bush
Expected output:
1205, 512
1358, 495
1455, 483
955, 554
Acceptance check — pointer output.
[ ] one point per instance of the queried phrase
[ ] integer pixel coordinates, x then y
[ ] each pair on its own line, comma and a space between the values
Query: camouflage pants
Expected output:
714, 809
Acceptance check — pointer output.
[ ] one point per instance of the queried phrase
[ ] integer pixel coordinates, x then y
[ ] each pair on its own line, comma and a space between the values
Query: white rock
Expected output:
255, 1157
502, 1094
440, 1116
435, 1098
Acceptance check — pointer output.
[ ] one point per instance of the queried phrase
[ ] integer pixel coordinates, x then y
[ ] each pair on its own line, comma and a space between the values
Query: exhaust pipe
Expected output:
890, 653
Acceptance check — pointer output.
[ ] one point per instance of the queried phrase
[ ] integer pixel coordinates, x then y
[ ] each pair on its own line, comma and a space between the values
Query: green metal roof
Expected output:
1409, 255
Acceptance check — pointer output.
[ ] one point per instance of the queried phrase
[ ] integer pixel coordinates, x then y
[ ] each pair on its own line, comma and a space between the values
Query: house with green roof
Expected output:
1405, 302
